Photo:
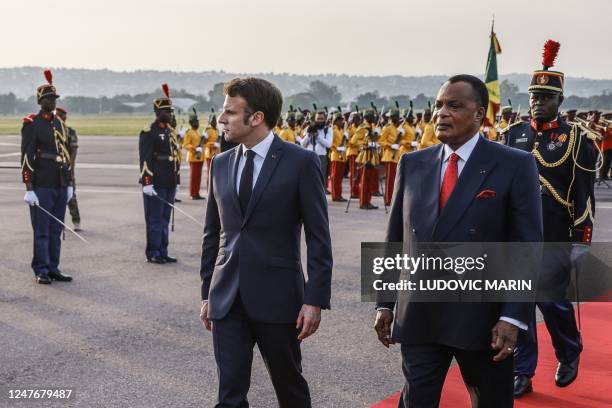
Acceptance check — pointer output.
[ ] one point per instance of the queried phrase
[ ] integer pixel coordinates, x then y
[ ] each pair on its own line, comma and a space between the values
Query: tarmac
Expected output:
126, 333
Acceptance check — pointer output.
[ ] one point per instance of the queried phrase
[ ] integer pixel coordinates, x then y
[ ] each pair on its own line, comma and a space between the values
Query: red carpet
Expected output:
592, 388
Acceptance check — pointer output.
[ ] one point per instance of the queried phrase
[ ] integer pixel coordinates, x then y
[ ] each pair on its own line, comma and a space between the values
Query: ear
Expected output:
257, 119
480, 114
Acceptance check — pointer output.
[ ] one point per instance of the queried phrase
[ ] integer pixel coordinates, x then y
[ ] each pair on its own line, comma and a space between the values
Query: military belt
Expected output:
50, 156
164, 157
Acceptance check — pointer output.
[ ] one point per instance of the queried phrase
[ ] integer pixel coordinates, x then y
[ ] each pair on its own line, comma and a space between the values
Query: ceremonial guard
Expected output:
193, 142
368, 158
565, 165
46, 173
73, 147
290, 131
211, 135
506, 115
338, 156
352, 149
408, 141
389, 141
160, 177
429, 137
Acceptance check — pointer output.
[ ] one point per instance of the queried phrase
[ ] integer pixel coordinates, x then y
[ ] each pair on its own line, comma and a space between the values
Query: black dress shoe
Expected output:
567, 373
169, 259
156, 260
340, 200
178, 200
43, 280
377, 195
522, 385
369, 207
60, 277
354, 196
198, 197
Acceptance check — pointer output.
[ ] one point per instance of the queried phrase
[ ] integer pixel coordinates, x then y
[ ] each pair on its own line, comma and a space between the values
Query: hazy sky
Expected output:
373, 37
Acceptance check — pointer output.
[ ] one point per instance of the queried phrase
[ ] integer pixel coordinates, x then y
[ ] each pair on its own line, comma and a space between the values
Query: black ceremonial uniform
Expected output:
160, 167
45, 151
568, 200
565, 163
46, 165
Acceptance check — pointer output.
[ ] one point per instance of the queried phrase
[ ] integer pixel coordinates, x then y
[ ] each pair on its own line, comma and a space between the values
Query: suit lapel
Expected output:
476, 170
232, 172
429, 178
267, 169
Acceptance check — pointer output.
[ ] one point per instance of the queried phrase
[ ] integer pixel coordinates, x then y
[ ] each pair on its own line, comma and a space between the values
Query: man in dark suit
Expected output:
253, 289
436, 200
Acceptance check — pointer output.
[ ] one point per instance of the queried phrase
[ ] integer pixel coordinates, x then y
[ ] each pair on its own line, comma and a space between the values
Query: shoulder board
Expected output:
504, 130
29, 118
146, 129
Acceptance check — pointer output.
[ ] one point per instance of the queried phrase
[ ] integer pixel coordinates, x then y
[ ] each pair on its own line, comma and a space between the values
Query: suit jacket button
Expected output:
414, 230
472, 231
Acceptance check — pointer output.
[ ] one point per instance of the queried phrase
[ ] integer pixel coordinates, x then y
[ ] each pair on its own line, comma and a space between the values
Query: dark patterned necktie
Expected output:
246, 182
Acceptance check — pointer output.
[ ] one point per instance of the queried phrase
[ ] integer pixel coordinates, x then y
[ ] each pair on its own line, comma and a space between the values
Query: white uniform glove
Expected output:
346, 135
30, 198
69, 193
149, 190
414, 144
401, 131
373, 144
395, 146
578, 252
377, 131
217, 144
340, 148
199, 149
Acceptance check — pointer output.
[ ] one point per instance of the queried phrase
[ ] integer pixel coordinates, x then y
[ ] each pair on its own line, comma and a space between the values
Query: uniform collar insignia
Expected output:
553, 124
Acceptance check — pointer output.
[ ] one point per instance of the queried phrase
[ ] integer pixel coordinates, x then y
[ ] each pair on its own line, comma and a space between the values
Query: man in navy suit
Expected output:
439, 198
262, 192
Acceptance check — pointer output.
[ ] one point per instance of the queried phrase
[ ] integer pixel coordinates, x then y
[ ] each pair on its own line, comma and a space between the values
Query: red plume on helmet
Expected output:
551, 49
48, 76
166, 90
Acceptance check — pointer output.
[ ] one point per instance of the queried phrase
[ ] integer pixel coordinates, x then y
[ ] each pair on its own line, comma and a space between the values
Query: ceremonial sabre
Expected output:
64, 225
179, 210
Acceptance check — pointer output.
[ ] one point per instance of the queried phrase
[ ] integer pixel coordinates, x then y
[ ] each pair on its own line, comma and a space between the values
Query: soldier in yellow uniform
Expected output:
211, 147
352, 150
193, 142
338, 157
506, 114
408, 141
429, 137
389, 141
279, 126
290, 131
367, 159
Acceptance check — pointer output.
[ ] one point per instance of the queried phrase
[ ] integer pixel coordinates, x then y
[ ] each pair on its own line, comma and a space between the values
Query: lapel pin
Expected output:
273, 156
483, 172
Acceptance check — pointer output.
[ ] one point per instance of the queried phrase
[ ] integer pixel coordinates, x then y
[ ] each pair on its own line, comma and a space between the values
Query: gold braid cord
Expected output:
554, 192
588, 212
559, 162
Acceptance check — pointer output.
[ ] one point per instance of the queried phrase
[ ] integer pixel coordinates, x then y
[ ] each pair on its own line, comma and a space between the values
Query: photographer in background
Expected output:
318, 138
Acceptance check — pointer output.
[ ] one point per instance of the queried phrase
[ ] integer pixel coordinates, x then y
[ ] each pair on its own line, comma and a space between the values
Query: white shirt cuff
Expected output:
514, 322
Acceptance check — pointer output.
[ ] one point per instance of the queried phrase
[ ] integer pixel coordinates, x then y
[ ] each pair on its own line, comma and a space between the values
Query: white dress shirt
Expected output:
463, 152
261, 151
324, 141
